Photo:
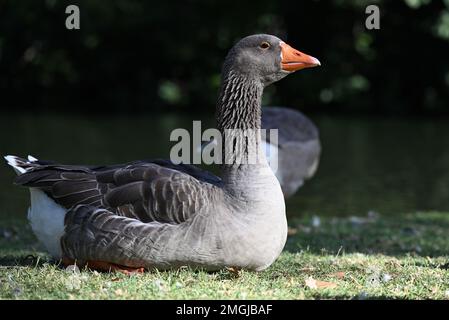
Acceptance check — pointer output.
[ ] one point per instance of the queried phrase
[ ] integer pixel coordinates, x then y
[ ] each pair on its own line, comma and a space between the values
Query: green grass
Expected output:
405, 257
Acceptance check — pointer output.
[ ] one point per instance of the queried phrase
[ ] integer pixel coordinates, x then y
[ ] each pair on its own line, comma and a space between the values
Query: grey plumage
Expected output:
299, 146
156, 214
145, 190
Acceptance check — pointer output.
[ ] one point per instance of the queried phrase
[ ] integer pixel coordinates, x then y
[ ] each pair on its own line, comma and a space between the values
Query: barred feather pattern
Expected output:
144, 191
98, 234
238, 106
238, 118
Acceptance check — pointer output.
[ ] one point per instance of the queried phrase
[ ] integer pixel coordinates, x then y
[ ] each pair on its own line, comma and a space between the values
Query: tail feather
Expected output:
31, 158
20, 165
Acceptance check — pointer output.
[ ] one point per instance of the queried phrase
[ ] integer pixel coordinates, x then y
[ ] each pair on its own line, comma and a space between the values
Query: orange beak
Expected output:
293, 60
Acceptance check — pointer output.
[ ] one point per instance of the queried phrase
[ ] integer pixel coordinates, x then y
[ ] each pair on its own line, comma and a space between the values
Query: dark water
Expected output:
391, 166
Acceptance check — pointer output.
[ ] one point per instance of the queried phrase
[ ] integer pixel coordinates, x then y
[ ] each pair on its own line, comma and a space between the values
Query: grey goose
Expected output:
155, 214
298, 148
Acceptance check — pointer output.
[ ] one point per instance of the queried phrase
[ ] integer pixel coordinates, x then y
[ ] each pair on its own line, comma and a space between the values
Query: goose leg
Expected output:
109, 267
235, 272
105, 266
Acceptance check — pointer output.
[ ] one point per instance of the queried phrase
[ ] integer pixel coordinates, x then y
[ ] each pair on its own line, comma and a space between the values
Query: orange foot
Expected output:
105, 266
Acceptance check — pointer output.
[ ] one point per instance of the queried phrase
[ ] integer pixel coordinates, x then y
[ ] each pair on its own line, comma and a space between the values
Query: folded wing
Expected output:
145, 190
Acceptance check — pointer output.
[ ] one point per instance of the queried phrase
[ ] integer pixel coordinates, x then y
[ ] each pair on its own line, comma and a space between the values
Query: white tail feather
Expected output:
14, 162
31, 158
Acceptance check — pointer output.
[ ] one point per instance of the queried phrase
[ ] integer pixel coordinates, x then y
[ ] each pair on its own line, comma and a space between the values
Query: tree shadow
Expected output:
23, 261
411, 235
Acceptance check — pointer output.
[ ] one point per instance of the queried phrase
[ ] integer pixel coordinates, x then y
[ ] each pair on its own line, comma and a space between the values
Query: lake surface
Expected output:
391, 166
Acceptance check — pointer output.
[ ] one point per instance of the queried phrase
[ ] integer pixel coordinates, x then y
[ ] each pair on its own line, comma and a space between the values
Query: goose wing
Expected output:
145, 190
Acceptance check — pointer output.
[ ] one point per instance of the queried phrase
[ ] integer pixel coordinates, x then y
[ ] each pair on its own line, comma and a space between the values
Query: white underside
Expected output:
272, 155
313, 168
46, 218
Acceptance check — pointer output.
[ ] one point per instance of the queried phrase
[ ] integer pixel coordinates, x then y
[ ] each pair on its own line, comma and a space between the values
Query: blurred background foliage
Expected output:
145, 56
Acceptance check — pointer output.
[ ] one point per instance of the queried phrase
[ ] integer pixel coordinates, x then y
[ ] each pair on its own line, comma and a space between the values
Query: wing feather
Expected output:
148, 191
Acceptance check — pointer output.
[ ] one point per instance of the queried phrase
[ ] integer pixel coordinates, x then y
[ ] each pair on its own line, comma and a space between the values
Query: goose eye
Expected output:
264, 45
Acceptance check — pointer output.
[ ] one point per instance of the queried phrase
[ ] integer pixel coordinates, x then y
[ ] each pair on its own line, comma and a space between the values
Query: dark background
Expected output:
144, 56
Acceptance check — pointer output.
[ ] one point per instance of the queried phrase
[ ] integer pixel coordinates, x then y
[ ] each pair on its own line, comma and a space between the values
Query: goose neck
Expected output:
239, 103
239, 121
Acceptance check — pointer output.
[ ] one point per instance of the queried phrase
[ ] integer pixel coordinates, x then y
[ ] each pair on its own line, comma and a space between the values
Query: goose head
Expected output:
266, 58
